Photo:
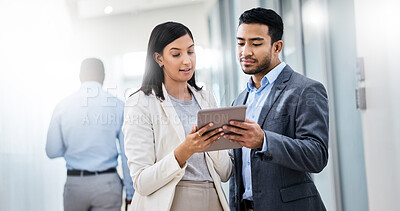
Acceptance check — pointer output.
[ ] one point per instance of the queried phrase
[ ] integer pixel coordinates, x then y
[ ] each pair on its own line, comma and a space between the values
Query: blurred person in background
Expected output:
84, 129
285, 135
163, 145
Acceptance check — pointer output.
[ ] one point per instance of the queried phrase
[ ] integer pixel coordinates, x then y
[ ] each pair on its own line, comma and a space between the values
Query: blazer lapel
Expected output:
276, 91
172, 115
242, 98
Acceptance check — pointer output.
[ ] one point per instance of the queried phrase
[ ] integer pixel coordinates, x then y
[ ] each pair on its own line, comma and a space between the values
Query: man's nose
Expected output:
247, 51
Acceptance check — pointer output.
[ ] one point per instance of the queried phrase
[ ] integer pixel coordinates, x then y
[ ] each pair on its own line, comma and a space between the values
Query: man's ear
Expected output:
158, 58
278, 45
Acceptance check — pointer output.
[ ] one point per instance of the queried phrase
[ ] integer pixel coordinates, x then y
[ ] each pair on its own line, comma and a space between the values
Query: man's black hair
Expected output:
267, 17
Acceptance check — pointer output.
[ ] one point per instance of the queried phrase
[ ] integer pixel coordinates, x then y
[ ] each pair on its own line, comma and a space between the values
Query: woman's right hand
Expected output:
196, 142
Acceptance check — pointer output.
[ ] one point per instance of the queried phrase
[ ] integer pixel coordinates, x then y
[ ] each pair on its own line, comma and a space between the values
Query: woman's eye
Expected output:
240, 44
176, 55
256, 44
191, 52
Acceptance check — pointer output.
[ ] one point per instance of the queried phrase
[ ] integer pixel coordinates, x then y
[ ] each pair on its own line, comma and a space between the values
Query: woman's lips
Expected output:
186, 70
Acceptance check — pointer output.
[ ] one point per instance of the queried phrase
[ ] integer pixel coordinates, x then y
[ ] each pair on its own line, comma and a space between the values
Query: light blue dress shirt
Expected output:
255, 102
84, 129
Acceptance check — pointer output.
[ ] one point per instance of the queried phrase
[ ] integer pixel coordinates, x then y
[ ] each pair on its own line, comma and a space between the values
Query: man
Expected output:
285, 135
84, 129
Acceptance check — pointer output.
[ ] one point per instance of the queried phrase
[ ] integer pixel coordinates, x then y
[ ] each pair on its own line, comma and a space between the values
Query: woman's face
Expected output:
179, 60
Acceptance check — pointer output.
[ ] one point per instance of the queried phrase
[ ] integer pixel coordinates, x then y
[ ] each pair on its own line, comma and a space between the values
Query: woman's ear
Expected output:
159, 59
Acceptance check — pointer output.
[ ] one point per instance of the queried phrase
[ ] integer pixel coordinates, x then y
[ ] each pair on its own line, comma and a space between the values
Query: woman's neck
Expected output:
179, 91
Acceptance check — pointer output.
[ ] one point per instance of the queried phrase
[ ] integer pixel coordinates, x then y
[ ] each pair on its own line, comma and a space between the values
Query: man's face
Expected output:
254, 48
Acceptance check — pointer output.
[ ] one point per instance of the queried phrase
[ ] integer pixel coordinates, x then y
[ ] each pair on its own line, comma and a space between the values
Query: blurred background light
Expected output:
134, 63
108, 10
313, 14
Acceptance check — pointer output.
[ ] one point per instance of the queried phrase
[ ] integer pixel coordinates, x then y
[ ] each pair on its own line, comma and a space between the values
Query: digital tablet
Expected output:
220, 117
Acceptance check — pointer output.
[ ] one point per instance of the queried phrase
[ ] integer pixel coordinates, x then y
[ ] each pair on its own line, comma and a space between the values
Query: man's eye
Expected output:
191, 52
176, 55
240, 44
256, 44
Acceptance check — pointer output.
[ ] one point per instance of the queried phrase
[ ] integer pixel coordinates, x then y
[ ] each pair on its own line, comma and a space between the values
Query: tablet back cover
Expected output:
220, 117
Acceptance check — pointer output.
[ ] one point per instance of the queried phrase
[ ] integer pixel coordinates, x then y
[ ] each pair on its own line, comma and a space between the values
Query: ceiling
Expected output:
100, 8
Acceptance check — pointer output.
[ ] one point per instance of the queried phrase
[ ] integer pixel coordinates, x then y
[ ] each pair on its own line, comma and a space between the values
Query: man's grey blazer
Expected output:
295, 122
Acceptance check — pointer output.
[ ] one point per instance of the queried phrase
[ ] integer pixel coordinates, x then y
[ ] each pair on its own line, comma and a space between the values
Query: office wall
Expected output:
377, 29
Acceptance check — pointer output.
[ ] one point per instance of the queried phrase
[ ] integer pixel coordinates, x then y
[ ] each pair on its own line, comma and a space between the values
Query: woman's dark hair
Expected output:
162, 35
267, 17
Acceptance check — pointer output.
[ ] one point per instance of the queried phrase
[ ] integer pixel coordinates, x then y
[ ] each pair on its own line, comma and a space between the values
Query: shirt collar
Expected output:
269, 78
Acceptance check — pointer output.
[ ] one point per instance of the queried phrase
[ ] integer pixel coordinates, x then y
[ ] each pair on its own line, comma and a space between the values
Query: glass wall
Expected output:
317, 67
343, 53
305, 51
292, 36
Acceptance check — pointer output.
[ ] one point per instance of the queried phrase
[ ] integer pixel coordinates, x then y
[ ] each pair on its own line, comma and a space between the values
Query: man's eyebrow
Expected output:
252, 39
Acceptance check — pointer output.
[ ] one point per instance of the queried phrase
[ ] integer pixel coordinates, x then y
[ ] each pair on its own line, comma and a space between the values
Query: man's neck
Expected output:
92, 82
257, 78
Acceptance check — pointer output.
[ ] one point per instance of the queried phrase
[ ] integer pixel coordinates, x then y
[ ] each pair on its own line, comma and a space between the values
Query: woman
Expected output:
165, 158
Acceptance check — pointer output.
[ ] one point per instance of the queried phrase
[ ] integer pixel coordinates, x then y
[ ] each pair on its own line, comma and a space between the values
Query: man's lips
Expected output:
247, 61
